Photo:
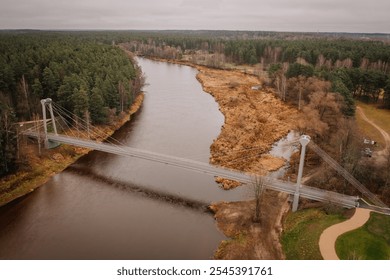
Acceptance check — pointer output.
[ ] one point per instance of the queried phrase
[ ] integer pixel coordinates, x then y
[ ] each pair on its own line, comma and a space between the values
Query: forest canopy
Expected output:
80, 74
358, 65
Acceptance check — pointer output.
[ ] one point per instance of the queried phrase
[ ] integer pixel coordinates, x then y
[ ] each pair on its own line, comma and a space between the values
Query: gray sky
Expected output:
271, 15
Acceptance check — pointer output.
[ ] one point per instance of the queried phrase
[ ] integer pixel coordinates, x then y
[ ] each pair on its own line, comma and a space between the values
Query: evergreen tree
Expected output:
349, 107
386, 95
297, 69
8, 149
99, 113
80, 102
67, 89
49, 83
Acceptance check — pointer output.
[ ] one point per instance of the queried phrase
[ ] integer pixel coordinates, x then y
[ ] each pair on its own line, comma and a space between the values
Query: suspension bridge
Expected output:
297, 190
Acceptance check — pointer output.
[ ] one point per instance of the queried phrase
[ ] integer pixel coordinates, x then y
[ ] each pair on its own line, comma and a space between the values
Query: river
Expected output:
111, 207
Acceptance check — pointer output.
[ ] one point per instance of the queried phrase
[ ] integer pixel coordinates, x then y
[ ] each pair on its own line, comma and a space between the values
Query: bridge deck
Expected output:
271, 183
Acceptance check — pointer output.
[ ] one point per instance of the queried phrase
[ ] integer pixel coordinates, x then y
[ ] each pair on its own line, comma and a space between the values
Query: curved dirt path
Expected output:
329, 236
383, 132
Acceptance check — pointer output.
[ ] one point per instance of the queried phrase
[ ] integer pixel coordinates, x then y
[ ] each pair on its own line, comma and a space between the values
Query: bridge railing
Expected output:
271, 183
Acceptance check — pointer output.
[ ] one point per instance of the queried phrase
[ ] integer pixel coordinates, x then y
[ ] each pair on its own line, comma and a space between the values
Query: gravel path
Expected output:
328, 237
380, 155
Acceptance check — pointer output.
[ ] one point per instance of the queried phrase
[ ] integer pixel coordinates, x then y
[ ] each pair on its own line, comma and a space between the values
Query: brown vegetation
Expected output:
338, 135
254, 120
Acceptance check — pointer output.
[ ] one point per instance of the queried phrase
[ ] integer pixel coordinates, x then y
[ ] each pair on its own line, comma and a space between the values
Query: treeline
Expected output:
90, 79
350, 83
360, 66
320, 51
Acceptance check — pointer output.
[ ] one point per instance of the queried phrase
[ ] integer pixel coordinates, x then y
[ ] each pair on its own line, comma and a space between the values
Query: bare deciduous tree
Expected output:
322, 110
259, 186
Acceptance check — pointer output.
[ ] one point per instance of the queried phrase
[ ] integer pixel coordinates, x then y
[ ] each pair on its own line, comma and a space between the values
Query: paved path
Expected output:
328, 237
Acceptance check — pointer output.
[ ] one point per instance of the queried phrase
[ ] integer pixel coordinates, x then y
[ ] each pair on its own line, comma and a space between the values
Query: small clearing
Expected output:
379, 155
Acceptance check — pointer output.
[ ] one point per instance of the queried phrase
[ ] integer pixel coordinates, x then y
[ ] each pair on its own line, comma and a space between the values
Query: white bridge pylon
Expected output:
295, 189
304, 140
47, 104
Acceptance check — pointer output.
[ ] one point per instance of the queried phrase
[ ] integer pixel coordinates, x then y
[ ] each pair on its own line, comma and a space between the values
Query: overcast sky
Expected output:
270, 15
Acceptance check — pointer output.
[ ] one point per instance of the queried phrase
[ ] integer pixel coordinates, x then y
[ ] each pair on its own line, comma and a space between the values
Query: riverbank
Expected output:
39, 169
254, 120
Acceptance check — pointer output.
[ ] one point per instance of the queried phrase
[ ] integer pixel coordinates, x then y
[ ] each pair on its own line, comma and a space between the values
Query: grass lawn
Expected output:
379, 116
302, 231
370, 242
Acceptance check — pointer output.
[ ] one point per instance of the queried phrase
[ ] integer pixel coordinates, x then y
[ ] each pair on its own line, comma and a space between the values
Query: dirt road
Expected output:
329, 236
379, 155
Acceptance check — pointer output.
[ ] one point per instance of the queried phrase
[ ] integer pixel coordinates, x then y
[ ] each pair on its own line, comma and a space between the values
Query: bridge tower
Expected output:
47, 104
304, 140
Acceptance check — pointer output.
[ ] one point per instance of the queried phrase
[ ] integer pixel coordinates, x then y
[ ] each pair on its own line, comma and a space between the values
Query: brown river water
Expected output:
110, 207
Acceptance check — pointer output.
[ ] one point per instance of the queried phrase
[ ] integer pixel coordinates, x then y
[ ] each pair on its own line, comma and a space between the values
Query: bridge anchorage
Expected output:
296, 190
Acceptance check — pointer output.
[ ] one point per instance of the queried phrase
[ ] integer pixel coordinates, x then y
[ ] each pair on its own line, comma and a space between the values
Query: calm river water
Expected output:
111, 207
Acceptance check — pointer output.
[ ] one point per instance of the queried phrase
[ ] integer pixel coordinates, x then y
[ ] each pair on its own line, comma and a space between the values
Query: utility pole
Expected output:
304, 140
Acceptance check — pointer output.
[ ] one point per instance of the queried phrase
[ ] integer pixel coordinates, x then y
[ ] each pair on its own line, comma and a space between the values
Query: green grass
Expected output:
370, 242
380, 117
302, 231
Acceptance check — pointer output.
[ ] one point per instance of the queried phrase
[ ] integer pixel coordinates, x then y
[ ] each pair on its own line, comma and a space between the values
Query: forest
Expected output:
358, 67
80, 74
